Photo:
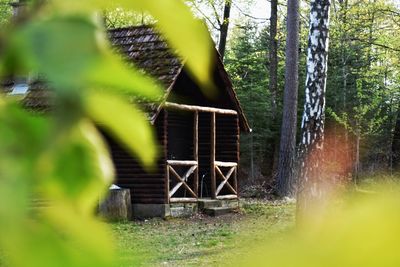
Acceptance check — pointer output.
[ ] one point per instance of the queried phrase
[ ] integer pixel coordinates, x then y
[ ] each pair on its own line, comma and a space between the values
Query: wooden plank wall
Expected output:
146, 188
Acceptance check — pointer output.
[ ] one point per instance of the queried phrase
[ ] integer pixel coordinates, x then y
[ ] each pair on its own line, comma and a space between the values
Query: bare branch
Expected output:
248, 15
207, 18
216, 14
376, 44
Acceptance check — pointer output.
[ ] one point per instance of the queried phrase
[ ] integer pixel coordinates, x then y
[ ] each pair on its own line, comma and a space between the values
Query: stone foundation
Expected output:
141, 211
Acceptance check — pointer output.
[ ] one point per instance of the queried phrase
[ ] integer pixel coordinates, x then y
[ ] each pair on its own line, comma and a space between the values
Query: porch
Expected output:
202, 153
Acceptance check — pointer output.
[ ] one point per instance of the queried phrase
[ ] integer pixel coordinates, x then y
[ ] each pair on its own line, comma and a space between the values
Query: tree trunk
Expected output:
310, 190
345, 73
117, 205
272, 142
285, 178
224, 28
273, 56
357, 163
396, 142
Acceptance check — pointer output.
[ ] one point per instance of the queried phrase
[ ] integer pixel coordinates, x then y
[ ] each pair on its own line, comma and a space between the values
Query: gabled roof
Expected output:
144, 47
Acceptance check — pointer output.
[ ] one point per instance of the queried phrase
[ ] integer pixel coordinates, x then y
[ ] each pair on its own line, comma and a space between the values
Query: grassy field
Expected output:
200, 240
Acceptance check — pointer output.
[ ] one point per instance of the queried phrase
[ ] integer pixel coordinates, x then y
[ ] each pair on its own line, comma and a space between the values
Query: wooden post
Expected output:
167, 185
235, 184
212, 156
196, 151
237, 153
165, 147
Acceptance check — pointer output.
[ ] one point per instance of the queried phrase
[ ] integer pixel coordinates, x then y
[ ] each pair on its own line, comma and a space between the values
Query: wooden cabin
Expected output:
198, 136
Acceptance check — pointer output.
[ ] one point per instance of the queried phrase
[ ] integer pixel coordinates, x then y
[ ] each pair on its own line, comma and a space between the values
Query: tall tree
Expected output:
312, 127
273, 55
396, 143
287, 151
217, 21
224, 28
272, 142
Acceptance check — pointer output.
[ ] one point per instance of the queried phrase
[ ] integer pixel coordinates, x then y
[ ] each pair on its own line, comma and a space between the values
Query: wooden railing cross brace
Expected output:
182, 180
225, 179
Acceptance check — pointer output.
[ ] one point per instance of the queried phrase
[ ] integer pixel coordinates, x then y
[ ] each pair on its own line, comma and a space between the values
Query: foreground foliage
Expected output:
58, 159
361, 229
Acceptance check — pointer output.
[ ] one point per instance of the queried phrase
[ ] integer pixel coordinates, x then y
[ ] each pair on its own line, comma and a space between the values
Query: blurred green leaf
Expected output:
79, 167
125, 122
20, 141
59, 236
126, 80
363, 231
89, 239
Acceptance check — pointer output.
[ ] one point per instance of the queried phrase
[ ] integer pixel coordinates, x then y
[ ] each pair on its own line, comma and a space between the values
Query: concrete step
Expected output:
232, 203
209, 203
217, 211
183, 210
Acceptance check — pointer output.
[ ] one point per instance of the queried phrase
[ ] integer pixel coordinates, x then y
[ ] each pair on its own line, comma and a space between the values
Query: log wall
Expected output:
146, 187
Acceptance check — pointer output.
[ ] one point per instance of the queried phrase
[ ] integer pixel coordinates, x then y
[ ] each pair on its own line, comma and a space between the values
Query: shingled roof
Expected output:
145, 48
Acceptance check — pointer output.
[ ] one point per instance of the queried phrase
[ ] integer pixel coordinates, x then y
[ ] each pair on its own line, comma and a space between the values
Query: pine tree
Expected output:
287, 151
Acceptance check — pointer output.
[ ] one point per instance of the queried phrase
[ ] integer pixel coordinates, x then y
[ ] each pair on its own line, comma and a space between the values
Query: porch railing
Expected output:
191, 168
226, 175
223, 174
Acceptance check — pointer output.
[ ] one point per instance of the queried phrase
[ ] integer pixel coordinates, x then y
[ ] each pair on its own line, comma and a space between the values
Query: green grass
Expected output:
200, 240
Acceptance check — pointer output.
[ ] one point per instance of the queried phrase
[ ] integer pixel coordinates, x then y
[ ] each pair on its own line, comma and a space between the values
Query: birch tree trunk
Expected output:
311, 184
287, 150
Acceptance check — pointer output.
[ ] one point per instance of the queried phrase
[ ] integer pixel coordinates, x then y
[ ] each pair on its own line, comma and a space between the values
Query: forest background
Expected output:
362, 135
362, 126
